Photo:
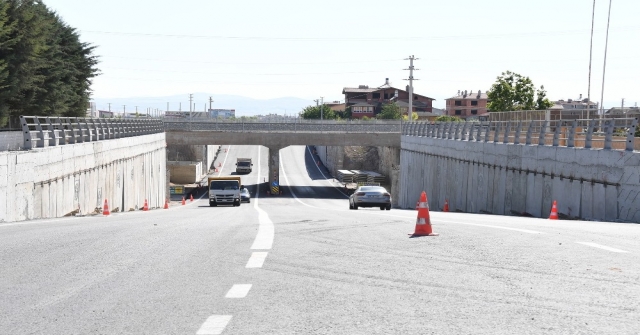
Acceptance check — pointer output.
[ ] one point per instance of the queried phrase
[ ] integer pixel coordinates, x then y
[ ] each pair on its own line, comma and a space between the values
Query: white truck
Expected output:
224, 191
243, 165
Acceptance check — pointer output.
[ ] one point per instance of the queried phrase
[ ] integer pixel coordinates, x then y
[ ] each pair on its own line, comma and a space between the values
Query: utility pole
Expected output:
124, 110
109, 107
321, 108
604, 67
593, 12
411, 79
136, 109
190, 102
317, 102
210, 102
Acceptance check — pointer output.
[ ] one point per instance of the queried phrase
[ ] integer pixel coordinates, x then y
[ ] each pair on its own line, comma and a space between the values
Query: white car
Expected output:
370, 196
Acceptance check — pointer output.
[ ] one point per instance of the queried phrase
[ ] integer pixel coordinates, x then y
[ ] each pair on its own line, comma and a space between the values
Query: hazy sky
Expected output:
280, 48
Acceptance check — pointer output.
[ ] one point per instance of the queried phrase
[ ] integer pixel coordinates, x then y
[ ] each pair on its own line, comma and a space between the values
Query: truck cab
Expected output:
224, 191
243, 165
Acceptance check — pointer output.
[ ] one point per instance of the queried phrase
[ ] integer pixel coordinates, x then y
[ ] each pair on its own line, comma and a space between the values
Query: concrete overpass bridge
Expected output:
278, 135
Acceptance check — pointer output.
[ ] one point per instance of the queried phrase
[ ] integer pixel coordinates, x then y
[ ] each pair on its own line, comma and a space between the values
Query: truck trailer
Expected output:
224, 191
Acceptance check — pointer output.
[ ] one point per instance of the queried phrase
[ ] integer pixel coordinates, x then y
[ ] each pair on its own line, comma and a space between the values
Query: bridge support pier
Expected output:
274, 170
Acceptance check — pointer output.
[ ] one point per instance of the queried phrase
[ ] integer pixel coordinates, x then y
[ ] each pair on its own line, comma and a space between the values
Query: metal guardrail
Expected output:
41, 131
279, 126
617, 134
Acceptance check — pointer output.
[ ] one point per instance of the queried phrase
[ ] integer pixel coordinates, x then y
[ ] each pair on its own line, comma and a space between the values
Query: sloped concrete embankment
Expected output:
510, 179
68, 179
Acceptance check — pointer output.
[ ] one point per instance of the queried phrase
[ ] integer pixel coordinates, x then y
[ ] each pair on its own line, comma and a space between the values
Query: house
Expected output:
467, 104
580, 104
366, 101
336, 106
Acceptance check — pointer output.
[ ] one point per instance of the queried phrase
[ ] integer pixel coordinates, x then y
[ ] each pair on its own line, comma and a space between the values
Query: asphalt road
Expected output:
303, 263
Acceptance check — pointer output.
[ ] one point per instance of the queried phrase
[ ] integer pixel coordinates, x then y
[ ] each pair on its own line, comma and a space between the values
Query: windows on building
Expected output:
458, 102
474, 111
458, 112
474, 102
375, 95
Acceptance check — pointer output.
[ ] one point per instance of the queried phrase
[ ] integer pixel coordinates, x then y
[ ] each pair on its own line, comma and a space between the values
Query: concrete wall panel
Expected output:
56, 181
575, 177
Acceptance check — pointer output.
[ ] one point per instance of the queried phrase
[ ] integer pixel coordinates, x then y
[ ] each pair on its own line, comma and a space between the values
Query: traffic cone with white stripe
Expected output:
554, 211
183, 202
423, 222
192, 197
166, 203
446, 205
105, 210
146, 205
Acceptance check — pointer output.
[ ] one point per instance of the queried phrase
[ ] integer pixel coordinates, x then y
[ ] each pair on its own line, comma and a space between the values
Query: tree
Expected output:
512, 91
448, 118
44, 68
414, 117
313, 112
390, 112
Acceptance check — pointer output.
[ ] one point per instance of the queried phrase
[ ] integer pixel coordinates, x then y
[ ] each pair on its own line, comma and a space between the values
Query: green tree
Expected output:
313, 112
448, 118
390, 112
44, 68
512, 91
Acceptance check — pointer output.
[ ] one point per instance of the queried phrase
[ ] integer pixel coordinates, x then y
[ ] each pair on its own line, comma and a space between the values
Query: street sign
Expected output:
274, 183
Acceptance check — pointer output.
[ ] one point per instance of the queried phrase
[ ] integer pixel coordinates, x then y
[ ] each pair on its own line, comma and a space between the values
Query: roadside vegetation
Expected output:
45, 69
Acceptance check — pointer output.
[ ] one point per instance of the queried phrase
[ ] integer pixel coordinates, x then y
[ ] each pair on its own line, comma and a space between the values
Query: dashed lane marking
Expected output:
238, 291
603, 247
215, 324
256, 260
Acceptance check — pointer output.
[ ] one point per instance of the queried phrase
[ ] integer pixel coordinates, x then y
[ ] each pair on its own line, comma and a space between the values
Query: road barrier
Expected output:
41, 131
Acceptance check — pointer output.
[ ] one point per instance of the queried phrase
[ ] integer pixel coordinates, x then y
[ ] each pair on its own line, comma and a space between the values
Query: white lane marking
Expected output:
266, 231
238, 291
264, 238
600, 246
214, 325
256, 260
224, 161
496, 227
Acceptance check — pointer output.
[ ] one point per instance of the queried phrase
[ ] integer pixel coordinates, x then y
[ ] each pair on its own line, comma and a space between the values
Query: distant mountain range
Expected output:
244, 106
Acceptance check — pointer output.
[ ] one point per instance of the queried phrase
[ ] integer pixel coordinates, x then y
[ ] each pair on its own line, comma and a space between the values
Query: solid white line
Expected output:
289, 184
264, 238
600, 246
238, 291
214, 325
325, 177
224, 161
256, 260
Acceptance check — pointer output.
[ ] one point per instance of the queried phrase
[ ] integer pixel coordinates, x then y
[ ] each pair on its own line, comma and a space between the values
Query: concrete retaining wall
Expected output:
185, 172
11, 140
63, 180
478, 177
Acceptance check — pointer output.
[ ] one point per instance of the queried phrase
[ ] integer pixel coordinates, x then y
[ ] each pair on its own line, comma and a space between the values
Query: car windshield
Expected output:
244, 164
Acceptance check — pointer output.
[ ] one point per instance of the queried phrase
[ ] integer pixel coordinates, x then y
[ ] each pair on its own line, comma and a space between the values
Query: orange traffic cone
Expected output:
183, 202
423, 222
192, 198
146, 205
446, 205
105, 210
554, 211
166, 203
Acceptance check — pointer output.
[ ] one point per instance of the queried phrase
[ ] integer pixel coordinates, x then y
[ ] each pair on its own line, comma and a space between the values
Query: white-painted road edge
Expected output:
603, 247
214, 325
266, 231
238, 291
257, 259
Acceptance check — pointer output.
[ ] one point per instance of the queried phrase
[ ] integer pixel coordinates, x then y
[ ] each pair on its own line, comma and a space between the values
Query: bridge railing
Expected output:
608, 133
43, 131
279, 126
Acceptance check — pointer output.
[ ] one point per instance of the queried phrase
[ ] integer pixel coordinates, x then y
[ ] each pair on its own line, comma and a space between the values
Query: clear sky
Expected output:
286, 48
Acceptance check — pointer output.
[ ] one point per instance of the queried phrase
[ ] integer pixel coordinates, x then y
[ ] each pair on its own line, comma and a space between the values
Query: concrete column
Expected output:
274, 170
